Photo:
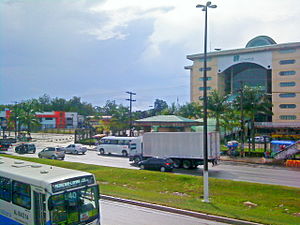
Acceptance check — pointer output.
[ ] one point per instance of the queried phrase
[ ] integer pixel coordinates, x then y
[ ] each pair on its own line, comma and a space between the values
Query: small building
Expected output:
166, 123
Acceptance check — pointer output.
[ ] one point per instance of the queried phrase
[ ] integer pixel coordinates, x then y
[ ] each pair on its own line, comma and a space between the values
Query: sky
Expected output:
100, 49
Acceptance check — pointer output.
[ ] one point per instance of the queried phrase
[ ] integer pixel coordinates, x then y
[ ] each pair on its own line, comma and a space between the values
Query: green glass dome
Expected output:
260, 41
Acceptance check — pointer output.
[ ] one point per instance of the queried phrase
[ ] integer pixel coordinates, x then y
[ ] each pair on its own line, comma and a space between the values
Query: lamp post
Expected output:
205, 166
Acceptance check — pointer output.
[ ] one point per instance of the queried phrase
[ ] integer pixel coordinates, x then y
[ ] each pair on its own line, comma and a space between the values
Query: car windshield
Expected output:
74, 207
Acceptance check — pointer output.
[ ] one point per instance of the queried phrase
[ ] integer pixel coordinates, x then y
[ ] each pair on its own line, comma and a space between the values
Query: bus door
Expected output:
39, 208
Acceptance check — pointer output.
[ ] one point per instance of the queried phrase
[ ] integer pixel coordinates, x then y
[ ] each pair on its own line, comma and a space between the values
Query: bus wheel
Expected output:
101, 151
124, 153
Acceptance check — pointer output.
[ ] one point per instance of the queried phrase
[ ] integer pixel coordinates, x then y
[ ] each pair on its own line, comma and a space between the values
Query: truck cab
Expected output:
135, 150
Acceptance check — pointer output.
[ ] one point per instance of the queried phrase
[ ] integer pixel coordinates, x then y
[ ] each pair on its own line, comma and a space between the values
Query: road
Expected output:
226, 170
131, 214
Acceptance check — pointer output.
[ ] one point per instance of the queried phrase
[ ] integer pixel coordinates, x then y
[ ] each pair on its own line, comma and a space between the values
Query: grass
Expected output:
275, 204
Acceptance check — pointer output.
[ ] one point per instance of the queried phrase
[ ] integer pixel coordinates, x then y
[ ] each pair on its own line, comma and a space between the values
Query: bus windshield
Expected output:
74, 207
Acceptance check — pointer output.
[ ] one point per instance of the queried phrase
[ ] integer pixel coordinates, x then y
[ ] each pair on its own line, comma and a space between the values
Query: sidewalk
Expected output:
254, 160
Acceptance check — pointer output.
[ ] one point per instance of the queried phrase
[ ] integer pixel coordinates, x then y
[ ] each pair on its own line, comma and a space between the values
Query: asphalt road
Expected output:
125, 214
226, 170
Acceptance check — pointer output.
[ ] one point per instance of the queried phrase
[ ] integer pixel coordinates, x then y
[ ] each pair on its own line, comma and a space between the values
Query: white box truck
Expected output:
184, 148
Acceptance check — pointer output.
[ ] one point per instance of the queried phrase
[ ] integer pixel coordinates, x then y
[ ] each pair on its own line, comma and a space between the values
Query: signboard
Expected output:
72, 183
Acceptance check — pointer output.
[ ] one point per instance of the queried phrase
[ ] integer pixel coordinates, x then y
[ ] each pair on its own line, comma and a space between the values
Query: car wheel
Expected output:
162, 169
124, 153
177, 163
142, 167
186, 164
76, 152
53, 157
63, 158
101, 151
33, 151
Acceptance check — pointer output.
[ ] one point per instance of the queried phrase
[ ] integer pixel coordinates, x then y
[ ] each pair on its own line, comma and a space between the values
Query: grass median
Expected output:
275, 204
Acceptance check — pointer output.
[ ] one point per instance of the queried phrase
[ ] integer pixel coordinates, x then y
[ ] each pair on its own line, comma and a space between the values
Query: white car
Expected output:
75, 149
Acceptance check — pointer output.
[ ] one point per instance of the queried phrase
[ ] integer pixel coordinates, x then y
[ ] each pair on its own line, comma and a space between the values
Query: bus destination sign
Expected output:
72, 183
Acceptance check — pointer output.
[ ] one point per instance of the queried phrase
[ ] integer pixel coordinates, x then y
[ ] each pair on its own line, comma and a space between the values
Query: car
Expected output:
261, 139
75, 149
52, 153
162, 164
25, 148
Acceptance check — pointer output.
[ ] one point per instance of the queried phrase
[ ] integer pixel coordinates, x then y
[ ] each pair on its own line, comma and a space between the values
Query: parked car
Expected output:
25, 148
52, 153
261, 139
162, 164
75, 149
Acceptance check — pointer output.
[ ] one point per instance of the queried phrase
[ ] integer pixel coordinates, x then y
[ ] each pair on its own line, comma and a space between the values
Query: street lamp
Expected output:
205, 169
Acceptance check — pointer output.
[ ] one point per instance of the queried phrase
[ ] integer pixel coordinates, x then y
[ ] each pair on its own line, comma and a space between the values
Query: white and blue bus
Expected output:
38, 194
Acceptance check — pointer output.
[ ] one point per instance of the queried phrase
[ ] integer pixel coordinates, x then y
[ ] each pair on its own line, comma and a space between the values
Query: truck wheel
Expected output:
177, 163
162, 169
101, 151
124, 153
136, 159
187, 164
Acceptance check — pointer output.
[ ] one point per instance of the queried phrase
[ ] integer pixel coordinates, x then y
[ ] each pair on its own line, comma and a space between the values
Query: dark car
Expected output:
25, 148
162, 164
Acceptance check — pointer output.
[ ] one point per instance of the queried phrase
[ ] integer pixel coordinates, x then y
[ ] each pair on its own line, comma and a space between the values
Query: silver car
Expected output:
52, 153
75, 149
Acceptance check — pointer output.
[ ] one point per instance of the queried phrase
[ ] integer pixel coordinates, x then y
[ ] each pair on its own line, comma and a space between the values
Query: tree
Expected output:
217, 105
191, 110
159, 106
255, 102
27, 115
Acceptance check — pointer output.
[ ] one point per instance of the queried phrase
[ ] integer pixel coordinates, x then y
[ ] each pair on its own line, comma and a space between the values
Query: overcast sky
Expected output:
99, 49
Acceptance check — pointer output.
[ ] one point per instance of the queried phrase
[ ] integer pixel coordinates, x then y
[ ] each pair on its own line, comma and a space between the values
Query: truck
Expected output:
184, 148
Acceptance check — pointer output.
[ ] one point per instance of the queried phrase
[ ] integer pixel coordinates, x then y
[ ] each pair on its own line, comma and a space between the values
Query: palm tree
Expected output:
27, 115
255, 102
217, 105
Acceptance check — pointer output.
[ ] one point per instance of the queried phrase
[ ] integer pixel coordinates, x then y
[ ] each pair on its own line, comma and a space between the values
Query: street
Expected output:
226, 170
125, 214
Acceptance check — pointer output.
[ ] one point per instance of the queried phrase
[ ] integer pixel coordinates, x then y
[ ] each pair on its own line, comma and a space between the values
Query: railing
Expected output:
288, 151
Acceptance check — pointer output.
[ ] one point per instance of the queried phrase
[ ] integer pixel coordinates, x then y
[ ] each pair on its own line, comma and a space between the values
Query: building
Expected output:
263, 62
54, 119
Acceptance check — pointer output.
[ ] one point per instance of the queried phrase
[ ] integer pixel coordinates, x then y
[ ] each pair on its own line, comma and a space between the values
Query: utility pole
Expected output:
242, 118
130, 110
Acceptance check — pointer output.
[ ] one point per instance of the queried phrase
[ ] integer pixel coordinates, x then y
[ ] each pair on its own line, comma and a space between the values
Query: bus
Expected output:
32, 193
114, 145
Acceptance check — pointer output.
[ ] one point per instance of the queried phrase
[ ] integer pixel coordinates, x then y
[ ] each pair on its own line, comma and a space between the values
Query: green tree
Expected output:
191, 110
217, 105
254, 102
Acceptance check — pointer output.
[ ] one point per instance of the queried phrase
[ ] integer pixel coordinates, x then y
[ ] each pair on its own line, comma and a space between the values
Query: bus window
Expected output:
5, 189
21, 194
74, 206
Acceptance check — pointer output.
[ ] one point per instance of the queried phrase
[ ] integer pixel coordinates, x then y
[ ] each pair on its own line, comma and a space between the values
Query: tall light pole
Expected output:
205, 169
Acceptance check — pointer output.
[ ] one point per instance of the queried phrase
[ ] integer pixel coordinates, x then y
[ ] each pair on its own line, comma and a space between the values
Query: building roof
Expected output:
271, 47
166, 120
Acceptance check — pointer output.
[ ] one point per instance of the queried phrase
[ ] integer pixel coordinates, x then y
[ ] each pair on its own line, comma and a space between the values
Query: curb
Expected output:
179, 211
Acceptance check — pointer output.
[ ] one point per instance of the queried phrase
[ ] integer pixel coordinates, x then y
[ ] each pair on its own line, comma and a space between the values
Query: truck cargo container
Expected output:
184, 148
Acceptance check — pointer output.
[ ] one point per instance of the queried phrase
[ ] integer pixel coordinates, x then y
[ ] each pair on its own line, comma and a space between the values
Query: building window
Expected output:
287, 61
202, 78
287, 84
202, 88
287, 117
207, 69
21, 193
48, 118
287, 73
287, 106
285, 51
287, 95
5, 189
